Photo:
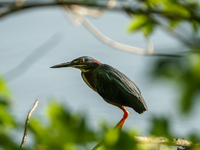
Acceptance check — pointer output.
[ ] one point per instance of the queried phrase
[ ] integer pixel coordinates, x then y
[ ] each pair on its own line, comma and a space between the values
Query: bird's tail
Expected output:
141, 106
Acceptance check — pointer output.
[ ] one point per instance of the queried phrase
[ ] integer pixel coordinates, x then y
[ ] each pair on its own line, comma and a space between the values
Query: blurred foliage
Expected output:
146, 23
185, 73
160, 127
116, 140
180, 18
173, 12
67, 131
7, 121
4, 91
63, 130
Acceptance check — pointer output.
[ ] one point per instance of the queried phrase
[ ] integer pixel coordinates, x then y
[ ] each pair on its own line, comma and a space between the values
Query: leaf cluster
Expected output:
164, 13
7, 121
185, 74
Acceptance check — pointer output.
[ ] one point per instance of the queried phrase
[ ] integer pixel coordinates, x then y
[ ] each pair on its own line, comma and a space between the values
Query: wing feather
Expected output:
116, 87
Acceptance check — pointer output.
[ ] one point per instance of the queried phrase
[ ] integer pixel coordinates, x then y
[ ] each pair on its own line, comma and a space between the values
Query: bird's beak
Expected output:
67, 64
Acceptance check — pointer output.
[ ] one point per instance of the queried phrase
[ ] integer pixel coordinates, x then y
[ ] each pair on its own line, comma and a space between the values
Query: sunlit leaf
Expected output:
117, 140
4, 91
112, 136
141, 22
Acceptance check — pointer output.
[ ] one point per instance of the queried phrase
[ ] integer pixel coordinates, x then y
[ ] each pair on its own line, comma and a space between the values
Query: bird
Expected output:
112, 85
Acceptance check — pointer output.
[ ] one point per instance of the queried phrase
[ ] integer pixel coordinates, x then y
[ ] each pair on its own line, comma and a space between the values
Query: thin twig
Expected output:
98, 145
27, 122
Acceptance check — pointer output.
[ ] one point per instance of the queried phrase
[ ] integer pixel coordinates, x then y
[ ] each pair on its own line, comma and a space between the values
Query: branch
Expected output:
74, 14
127, 8
27, 122
98, 145
160, 141
164, 141
36, 5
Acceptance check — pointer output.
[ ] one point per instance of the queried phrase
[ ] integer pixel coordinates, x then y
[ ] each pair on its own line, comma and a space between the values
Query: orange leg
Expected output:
121, 122
119, 125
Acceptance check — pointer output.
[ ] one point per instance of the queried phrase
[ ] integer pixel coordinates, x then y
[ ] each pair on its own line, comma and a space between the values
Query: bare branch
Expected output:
163, 141
160, 141
77, 16
27, 122
76, 19
110, 5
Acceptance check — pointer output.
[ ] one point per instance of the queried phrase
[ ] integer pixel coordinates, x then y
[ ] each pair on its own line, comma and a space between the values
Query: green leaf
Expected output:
160, 127
118, 140
141, 22
4, 90
137, 23
148, 29
174, 23
195, 26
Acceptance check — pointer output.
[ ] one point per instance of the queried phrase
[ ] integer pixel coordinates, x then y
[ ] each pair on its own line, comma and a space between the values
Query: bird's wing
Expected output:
113, 75
119, 80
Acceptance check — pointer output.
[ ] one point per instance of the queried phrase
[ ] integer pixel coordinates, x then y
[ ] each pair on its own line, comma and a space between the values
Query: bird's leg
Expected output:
125, 116
119, 125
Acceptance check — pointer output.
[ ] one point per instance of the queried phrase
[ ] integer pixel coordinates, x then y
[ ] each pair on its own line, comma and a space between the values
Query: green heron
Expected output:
112, 85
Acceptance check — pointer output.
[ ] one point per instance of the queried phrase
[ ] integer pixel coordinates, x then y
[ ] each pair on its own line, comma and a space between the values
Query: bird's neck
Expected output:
88, 78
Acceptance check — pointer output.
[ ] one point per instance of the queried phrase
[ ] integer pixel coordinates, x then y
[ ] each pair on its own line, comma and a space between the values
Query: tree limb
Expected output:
78, 18
164, 141
128, 9
75, 14
179, 142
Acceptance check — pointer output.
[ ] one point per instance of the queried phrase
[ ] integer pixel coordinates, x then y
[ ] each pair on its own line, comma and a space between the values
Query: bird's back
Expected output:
115, 87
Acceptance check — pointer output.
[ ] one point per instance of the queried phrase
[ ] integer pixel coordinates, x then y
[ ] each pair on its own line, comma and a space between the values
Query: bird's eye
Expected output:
80, 61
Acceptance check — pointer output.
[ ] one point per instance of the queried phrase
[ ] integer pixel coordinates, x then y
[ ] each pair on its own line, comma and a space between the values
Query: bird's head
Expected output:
84, 63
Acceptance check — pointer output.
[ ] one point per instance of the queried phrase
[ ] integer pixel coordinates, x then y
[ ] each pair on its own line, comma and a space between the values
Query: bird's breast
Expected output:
89, 80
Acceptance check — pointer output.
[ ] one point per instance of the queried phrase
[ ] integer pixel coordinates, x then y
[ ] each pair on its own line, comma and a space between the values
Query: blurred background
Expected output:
32, 40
